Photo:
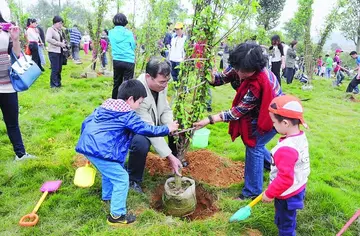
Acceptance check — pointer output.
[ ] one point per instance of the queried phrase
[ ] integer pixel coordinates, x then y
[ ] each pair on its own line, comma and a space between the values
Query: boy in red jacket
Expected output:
290, 163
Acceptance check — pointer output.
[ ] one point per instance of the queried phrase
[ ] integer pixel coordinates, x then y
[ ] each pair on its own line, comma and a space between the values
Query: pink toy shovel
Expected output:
355, 216
32, 218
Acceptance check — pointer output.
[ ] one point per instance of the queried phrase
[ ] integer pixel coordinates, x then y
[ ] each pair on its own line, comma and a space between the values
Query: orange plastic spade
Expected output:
32, 218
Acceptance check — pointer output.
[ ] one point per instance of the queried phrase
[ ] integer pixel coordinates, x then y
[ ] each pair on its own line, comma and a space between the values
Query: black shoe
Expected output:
136, 187
241, 197
121, 220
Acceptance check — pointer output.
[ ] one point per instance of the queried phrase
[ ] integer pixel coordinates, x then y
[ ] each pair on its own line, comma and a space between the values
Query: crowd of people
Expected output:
138, 115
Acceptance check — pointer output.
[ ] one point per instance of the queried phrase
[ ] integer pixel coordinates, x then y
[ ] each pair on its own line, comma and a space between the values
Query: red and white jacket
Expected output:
290, 167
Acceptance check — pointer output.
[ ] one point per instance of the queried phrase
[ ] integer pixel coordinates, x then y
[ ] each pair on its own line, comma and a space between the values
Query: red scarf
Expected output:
242, 126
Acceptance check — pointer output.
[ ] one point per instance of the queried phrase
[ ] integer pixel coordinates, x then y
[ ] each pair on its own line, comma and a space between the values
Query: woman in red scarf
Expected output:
249, 116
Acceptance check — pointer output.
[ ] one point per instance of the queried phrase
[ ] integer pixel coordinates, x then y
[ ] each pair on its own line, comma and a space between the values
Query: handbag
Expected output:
23, 73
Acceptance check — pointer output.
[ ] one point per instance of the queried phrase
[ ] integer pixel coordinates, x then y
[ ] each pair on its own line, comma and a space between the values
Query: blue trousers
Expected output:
328, 73
41, 55
285, 213
115, 184
255, 159
175, 72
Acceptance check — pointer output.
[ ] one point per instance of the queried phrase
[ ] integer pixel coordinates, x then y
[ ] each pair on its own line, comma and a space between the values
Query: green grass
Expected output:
50, 124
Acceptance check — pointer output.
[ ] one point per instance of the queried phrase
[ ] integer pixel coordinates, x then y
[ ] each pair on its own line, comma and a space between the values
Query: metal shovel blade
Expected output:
84, 176
241, 214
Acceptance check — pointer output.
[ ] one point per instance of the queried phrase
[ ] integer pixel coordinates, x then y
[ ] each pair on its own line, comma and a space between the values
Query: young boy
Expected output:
291, 166
329, 65
105, 139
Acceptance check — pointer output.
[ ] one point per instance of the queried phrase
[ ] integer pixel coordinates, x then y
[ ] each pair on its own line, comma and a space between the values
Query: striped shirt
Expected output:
5, 49
75, 35
251, 101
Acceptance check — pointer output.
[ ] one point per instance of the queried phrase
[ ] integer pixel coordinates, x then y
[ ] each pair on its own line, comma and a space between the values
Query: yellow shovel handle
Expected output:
40, 202
256, 200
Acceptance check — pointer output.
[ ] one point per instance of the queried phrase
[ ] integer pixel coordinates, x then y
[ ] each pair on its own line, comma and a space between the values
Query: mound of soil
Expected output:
205, 203
204, 166
79, 161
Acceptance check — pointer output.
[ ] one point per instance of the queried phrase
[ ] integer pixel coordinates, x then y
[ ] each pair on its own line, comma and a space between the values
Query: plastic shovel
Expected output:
347, 225
85, 176
32, 218
244, 212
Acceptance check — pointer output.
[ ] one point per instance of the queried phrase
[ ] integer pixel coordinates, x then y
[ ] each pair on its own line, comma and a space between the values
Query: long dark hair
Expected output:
2, 19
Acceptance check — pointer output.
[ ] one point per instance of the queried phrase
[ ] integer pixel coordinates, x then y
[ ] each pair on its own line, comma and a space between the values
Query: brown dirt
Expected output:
252, 232
204, 166
205, 203
79, 161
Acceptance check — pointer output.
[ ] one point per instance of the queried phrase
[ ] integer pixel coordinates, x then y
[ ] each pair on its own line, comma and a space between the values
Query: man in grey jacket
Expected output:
154, 110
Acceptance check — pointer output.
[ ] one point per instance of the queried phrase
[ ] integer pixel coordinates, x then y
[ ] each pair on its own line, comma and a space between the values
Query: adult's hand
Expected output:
175, 164
173, 126
200, 124
212, 72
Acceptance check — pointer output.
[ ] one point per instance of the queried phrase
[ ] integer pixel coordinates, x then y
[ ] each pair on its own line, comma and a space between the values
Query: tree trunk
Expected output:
358, 44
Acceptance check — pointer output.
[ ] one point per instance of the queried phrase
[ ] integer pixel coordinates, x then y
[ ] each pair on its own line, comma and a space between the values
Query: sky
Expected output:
321, 9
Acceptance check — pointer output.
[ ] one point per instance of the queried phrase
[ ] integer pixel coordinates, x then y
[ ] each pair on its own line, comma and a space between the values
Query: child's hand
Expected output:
173, 126
266, 199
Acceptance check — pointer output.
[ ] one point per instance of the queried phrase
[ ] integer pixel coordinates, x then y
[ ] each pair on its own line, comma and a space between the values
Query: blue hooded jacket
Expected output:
108, 131
122, 44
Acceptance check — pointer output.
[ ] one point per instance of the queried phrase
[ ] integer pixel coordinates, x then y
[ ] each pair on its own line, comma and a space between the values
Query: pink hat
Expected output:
338, 50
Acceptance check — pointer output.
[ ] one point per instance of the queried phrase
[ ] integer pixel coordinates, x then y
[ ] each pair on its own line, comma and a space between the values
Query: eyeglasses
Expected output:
164, 83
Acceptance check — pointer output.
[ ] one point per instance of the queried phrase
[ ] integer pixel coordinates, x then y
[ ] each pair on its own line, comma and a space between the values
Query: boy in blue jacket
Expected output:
105, 138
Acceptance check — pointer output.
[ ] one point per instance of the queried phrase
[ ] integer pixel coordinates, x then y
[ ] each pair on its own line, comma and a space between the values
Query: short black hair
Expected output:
132, 88
106, 31
75, 25
275, 38
280, 118
168, 24
327, 55
158, 65
30, 21
57, 19
120, 20
247, 57
353, 53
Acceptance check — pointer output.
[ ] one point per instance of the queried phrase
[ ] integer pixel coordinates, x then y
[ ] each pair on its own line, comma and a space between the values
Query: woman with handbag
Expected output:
9, 105
33, 36
56, 44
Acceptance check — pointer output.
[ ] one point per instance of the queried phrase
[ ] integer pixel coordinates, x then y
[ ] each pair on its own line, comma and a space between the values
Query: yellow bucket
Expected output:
85, 176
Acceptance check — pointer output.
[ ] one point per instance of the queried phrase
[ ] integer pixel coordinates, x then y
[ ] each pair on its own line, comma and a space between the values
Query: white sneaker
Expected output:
26, 156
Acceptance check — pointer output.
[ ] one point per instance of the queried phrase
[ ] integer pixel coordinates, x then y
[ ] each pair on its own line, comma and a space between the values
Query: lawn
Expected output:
50, 124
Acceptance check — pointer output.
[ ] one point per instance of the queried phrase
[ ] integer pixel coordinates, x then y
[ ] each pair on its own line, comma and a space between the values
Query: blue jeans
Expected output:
339, 77
115, 184
328, 73
175, 72
41, 55
285, 213
75, 49
255, 159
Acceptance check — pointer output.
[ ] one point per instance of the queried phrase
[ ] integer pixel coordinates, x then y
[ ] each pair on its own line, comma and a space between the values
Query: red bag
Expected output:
27, 50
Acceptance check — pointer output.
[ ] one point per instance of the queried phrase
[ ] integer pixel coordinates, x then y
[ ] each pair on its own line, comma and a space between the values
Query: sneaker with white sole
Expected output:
26, 156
